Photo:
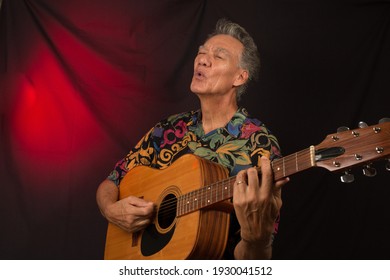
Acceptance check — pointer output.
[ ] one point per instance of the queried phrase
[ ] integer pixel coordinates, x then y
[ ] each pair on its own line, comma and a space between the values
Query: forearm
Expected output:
106, 195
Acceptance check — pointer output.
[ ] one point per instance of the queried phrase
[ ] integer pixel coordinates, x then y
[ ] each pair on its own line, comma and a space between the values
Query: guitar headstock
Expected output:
358, 147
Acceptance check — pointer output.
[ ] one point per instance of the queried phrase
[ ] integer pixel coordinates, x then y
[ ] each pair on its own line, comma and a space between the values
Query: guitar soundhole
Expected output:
167, 211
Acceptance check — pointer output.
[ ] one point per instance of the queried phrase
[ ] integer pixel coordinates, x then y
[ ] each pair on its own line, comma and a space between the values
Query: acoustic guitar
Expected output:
192, 195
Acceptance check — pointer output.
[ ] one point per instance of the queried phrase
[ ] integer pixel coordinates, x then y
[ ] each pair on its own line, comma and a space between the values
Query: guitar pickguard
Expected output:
153, 241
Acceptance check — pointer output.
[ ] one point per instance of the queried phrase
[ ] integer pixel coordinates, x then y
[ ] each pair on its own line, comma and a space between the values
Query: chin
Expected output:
198, 88
195, 89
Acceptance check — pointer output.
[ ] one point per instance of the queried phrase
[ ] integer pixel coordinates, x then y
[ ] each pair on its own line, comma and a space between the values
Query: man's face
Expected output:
216, 67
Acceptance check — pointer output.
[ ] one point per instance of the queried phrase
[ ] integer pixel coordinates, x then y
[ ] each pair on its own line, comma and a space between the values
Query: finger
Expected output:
253, 181
136, 201
241, 179
138, 225
267, 179
137, 206
142, 222
280, 183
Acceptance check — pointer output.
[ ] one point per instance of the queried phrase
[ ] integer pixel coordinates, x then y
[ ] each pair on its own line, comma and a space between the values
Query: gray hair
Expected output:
249, 59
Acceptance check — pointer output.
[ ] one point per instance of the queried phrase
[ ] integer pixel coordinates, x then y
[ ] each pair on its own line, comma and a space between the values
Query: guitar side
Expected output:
200, 188
197, 235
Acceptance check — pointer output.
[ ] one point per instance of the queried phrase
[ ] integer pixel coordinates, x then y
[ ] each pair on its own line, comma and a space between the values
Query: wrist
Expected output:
265, 242
108, 211
254, 249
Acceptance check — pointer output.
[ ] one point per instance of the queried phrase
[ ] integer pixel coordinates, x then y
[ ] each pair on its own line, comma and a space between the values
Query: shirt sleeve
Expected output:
142, 154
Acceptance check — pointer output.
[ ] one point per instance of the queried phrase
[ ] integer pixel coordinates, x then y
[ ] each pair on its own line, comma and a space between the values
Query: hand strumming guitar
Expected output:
131, 213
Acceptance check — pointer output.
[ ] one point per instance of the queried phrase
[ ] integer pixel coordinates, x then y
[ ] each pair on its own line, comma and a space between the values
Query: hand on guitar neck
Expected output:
257, 202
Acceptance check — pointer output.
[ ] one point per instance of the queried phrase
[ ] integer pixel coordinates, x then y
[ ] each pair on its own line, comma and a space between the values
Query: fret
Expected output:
196, 199
228, 186
204, 197
223, 190
212, 195
185, 200
209, 196
180, 207
201, 198
292, 164
228, 189
216, 191
190, 202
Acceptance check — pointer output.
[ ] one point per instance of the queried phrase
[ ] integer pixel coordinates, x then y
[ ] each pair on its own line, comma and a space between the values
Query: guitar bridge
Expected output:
134, 238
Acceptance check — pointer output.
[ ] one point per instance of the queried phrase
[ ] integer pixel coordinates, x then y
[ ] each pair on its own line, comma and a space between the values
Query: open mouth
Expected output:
199, 74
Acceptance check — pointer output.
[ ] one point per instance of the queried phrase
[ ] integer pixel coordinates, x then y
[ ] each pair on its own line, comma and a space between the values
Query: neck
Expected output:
217, 112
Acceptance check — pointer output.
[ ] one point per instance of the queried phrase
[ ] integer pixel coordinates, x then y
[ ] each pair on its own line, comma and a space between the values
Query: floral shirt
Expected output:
237, 146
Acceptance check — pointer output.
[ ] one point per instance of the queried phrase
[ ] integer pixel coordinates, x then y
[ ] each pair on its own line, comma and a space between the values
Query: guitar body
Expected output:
192, 219
197, 235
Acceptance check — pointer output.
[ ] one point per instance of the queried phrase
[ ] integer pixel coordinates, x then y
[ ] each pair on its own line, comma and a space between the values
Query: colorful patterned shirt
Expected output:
237, 146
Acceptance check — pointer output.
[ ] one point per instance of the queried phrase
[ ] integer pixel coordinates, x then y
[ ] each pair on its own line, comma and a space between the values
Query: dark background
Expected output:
82, 81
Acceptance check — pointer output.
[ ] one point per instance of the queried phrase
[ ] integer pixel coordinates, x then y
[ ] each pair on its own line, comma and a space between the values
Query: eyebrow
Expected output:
201, 47
222, 50
218, 50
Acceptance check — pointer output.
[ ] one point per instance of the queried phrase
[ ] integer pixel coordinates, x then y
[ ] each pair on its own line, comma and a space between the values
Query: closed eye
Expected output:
221, 53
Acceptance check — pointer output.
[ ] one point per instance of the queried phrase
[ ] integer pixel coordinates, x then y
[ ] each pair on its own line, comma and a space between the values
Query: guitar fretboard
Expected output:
223, 190
294, 163
205, 196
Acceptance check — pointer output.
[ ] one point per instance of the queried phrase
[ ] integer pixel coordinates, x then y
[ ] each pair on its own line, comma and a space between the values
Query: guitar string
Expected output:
171, 204
286, 162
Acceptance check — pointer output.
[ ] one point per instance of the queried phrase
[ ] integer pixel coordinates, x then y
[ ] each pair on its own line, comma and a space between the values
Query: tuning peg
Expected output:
362, 125
388, 165
342, 128
347, 177
369, 171
383, 120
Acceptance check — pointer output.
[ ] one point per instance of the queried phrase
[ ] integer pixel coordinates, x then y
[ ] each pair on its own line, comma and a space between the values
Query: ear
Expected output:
241, 78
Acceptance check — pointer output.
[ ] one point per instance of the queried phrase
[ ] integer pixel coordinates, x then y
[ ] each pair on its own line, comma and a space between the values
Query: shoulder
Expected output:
173, 122
175, 118
260, 135
250, 125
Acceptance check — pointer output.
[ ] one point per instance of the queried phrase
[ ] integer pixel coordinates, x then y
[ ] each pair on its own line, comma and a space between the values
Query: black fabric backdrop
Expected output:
82, 81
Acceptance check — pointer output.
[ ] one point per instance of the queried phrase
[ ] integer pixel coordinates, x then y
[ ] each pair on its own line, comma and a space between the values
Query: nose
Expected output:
204, 60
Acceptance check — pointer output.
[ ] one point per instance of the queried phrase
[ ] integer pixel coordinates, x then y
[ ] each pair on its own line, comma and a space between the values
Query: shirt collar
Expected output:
233, 127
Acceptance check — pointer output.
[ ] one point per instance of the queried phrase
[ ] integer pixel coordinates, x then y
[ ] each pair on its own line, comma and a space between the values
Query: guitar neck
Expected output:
223, 190
294, 163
